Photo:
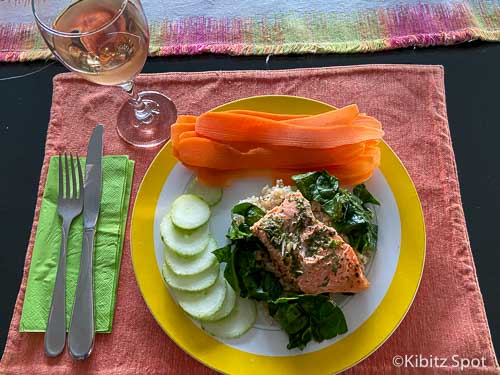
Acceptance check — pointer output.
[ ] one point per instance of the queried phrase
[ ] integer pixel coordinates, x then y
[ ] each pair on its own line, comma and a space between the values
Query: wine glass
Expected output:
106, 42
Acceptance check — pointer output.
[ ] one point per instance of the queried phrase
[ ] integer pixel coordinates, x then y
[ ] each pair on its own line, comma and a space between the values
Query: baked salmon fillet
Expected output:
307, 254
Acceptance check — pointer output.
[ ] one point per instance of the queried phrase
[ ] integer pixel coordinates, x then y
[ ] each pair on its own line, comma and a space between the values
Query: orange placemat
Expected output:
448, 316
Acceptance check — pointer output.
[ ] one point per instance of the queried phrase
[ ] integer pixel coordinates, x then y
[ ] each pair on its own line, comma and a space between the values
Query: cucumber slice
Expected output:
227, 307
184, 243
205, 303
191, 283
210, 194
189, 212
235, 324
194, 264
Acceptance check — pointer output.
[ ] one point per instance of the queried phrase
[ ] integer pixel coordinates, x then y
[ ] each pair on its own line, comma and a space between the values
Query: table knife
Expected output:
82, 327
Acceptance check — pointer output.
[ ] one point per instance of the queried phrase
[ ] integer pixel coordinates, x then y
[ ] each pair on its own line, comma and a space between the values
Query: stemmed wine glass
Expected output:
106, 42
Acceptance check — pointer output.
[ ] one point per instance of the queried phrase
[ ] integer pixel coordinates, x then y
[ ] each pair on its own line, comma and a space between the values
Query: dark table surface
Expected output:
472, 94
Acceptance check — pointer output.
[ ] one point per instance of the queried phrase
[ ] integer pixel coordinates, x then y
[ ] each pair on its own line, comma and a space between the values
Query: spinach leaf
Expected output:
348, 211
226, 255
365, 240
241, 229
249, 211
254, 281
307, 317
243, 272
223, 254
362, 193
337, 207
317, 186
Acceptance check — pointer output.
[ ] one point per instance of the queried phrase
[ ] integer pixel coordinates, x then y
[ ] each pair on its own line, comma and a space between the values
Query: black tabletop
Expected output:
472, 92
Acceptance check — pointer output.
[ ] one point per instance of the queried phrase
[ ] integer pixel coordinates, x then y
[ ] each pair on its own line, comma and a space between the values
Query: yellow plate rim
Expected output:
333, 359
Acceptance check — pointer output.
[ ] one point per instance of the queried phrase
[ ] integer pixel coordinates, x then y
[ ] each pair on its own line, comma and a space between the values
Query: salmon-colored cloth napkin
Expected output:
447, 317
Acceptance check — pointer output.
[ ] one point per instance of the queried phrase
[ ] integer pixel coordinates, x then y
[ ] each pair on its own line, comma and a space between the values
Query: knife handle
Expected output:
82, 328
55, 334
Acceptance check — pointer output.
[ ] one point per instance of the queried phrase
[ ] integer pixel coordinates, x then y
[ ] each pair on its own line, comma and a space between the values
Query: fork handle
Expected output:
81, 328
55, 334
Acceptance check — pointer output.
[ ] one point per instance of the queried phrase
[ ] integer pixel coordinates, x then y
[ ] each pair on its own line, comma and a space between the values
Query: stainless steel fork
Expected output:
69, 206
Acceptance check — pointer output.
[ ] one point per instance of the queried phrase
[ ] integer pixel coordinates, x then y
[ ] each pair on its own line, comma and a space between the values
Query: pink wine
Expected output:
114, 44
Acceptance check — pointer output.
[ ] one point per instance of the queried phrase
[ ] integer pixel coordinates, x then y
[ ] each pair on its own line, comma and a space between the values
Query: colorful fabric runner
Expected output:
191, 27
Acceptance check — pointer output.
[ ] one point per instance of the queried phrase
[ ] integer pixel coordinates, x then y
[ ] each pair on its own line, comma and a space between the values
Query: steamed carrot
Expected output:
187, 134
186, 119
223, 146
232, 127
335, 117
177, 129
354, 180
175, 132
359, 170
216, 177
365, 120
360, 166
268, 115
204, 152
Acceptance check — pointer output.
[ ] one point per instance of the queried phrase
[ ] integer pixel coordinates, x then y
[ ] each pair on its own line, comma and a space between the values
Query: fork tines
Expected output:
72, 190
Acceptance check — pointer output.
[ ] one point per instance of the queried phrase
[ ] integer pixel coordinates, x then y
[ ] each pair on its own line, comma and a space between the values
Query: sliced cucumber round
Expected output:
205, 303
191, 283
235, 324
210, 194
184, 243
189, 212
227, 307
193, 264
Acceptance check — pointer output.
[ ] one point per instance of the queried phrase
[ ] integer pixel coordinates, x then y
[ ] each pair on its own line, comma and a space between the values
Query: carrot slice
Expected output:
176, 130
359, 169
336, 117
365, 120
216, 177
232, 127
186, 134
268, 115
183, 119
356, 180
204, 152
354, 173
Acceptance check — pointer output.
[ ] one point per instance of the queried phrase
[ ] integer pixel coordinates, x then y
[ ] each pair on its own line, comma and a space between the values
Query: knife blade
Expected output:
93, 179
82, 327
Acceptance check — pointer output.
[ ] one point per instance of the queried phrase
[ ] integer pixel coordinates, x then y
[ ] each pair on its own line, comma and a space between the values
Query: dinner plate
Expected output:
372, 316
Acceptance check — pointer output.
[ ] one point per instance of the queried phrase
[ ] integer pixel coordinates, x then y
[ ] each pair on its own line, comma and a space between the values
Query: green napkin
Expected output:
117, 180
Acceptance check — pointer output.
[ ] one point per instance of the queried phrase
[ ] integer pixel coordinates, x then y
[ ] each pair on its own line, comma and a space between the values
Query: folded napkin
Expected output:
117, 180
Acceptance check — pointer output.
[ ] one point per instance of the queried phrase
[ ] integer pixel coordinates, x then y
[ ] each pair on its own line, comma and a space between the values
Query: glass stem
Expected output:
142, 110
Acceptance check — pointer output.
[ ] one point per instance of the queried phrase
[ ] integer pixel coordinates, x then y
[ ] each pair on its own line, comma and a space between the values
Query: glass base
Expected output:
152, 130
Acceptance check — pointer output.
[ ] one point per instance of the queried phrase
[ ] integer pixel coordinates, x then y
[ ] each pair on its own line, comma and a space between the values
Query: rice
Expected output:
270, 196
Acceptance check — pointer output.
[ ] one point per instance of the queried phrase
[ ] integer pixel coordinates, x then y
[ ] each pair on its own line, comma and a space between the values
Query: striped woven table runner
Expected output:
243, 27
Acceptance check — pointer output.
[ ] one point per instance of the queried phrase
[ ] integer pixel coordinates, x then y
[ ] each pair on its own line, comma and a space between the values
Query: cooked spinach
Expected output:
348, 211
305, 317
245, 274
317, 186
362, 193
226, 255
250, 214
